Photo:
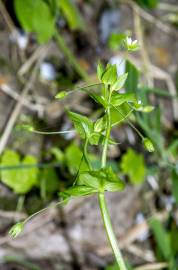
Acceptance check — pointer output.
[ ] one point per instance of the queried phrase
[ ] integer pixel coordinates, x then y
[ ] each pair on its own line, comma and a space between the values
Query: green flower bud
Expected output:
61, 95
148, 145
27, 127
16, 229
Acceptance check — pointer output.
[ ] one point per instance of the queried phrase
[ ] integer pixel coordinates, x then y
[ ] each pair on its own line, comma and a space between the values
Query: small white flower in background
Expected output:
144, 234
132, 45
21, 39
47, 71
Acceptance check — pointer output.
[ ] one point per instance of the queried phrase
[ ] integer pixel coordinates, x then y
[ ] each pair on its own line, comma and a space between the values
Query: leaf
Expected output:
118, 99
148, 3
109, 77
102, 180
115, 40
49, 182
71, 14
87, 179
78, 191
174, 177
59, 155
100, 71
35, 16
161, 238
73, 157
132, 78
120, 113
133, 165
119, 83
29, 177
82, 124
100, 124
21, 180
98, 99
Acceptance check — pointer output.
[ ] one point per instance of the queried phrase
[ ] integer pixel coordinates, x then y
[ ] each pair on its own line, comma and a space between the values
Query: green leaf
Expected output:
100, 71
120, 113
78, 191
115, 40
59, 155
49, 182
110, 75
133, 165
100, 124
21, 180
119, 83
87, 179
148, 3
102, 180
161, 238
71, 14
132, 78
73, 157
174, 177
98, 99
35, 16
118, 99
82, 124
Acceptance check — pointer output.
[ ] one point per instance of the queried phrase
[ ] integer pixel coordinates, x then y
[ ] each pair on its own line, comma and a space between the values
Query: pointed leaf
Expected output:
82, 124
119, 83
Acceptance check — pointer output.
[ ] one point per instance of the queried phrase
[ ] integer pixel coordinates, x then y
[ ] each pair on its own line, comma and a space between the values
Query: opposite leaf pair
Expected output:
94, 181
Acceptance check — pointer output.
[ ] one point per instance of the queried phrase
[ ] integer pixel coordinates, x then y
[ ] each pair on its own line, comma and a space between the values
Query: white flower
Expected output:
132, 45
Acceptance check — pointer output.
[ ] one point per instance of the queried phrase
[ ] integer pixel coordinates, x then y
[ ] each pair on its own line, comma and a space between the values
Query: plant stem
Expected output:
108, 131
110, 233
101, 197
70, 56
86, 154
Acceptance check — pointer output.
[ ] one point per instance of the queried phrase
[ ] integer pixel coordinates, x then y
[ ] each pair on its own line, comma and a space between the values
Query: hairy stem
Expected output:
101, 197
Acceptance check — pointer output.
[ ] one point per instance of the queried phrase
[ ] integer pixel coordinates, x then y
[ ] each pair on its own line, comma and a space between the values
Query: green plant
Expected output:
115, 107
44, 26
166, 246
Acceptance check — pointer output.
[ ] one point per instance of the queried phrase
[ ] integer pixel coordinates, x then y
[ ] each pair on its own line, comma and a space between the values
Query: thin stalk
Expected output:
51, 133
70, 56
110, 233
103, 207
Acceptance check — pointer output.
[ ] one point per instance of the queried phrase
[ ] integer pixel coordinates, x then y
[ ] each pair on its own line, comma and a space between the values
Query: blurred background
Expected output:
47, 46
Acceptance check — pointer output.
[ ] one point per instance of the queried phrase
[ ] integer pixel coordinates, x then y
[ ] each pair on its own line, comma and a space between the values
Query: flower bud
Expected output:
16, 229
148, 145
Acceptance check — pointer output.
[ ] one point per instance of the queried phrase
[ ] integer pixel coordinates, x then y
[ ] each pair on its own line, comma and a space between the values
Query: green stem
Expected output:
101, 197
70, 56
110, 233
86, 154
107, 136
